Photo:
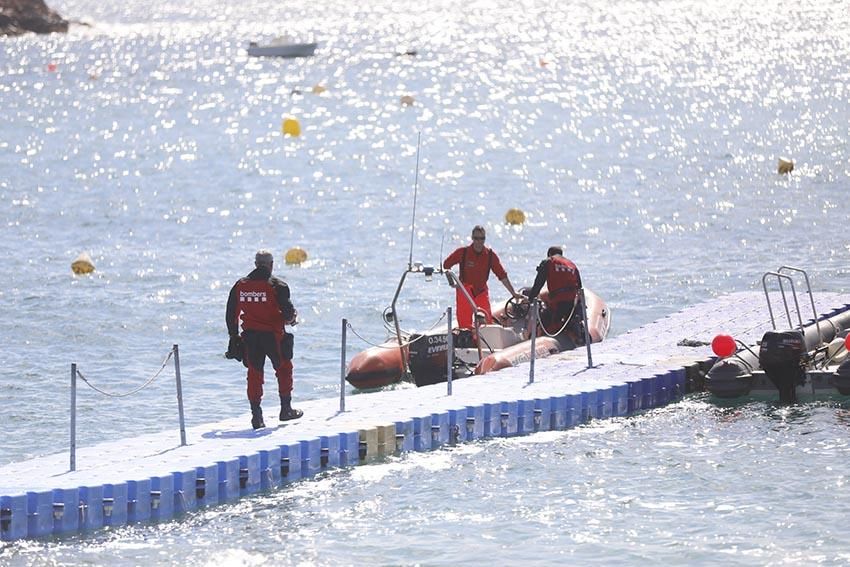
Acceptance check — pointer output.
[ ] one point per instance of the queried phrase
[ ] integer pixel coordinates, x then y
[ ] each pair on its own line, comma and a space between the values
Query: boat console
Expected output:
497, 337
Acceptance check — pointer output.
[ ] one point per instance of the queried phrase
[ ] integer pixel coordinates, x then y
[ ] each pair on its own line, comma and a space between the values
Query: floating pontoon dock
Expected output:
153, 477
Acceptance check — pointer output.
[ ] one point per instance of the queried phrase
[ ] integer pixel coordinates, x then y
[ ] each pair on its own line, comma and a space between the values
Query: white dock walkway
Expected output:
153, 477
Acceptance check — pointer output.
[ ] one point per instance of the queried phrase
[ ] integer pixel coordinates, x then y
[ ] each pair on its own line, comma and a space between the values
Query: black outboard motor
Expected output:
427, 360
781, 356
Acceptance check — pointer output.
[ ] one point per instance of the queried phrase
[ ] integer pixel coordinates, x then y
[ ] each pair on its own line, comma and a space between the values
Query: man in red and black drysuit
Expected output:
476, 262
563, 281
262, 303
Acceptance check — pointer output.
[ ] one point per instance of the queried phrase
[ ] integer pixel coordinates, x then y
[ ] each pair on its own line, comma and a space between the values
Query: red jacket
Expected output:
261, 302
475, 268
561, 276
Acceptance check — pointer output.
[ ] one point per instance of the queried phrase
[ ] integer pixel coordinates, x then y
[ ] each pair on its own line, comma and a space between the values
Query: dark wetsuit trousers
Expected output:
260, 345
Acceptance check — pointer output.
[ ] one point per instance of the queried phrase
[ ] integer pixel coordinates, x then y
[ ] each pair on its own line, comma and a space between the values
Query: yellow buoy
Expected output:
785, 165
514, 216
295, 255
407, 100
290, 127
82, 265
319, 89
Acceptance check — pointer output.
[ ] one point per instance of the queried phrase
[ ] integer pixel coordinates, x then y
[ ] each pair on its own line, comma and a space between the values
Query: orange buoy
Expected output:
515, 216
290, 127
295, 255
82, 265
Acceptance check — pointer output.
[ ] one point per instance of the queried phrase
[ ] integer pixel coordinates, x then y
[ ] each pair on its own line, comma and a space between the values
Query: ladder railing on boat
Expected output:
455, 282
781, 275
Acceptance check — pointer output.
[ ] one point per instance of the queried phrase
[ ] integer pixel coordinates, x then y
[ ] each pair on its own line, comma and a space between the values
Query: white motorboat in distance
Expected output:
282, 49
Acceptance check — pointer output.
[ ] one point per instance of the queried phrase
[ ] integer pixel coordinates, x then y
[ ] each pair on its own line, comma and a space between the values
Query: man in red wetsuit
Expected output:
476, 262
262, 303
563, 281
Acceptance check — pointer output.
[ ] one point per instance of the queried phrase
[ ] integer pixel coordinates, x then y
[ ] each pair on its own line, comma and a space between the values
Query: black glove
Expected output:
292, 319
235, 348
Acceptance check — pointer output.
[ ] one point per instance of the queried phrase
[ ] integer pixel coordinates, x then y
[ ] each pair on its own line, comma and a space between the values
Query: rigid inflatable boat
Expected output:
423, 358
808, 358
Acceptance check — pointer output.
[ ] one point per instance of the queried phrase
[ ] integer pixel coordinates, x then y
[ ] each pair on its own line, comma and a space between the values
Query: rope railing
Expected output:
564, 326
403, 344
130, 393
75, 373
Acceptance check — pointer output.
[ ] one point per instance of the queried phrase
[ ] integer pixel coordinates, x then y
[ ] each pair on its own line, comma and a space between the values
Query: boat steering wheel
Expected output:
517, 308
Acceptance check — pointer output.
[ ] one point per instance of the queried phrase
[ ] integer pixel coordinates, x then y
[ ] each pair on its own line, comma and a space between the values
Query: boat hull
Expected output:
377, 366
287, 50
519, 353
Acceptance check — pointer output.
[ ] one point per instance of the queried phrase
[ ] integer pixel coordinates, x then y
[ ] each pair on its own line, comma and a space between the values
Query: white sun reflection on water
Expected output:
642, 137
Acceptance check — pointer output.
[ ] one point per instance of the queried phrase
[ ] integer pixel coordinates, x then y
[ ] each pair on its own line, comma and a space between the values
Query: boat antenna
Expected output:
415, 190
440, 258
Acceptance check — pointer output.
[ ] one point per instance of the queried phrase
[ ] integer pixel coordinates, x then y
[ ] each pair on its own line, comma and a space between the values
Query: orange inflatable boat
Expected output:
423, 357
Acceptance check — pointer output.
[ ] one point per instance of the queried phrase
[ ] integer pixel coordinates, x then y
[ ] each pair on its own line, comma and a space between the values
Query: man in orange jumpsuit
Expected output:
262, 303
563, 281
476, 262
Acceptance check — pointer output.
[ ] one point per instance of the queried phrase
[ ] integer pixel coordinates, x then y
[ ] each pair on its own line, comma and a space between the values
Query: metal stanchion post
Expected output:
342, 368
179, 395
533, 340
73, 416
586, 329
449, 352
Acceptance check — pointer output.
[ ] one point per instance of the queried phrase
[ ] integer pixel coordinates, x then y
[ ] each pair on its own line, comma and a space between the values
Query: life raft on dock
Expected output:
806, 358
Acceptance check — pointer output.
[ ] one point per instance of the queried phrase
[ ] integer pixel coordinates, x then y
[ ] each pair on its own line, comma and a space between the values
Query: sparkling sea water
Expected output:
643, 136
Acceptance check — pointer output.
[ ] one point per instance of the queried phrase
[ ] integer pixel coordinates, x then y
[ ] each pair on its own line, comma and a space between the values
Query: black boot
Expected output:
286, 410
257, 416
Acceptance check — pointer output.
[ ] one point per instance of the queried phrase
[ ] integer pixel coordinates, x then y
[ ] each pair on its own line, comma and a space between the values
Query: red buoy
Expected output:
724, 346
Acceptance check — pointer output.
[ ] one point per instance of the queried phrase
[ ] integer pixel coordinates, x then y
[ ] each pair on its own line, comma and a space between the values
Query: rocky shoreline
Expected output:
22, 16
